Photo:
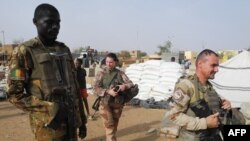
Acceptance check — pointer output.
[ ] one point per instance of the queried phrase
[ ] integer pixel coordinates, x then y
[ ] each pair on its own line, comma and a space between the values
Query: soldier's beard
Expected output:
212, 76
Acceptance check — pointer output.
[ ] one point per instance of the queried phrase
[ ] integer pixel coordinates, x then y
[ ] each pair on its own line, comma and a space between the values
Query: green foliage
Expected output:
142, 54
124, 54
221, 55
165, 47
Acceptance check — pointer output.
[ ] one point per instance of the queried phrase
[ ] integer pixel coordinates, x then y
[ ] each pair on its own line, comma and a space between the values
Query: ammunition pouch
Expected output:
202, 110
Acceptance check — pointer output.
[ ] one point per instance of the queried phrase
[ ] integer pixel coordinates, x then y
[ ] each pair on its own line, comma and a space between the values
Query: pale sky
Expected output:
116, 25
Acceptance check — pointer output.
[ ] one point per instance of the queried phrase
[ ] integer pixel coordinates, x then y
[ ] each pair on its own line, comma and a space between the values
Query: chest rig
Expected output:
204, 102
52, 69
111, 78
204, 98
109, 81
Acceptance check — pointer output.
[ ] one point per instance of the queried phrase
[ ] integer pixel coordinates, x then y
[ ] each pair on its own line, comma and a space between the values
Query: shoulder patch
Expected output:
17, 74
180, 98
178, 95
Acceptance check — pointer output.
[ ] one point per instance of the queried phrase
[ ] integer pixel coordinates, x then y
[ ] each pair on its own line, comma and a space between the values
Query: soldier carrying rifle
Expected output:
42, 82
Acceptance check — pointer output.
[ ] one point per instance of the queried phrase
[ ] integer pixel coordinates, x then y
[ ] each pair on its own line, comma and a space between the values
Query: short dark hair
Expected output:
79, 60
113, 56
204, 53
43, 8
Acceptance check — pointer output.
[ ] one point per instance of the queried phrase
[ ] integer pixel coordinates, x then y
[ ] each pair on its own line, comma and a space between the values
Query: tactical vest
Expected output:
49, 69
111, 78
204, 102
206, 94
109, 81
52, 69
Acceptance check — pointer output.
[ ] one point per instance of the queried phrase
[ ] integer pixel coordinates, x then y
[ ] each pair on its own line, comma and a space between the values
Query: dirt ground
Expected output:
134, 124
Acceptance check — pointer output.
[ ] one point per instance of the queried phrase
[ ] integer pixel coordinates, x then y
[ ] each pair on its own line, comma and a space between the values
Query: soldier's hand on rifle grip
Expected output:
82, 131
213, 121
112, 92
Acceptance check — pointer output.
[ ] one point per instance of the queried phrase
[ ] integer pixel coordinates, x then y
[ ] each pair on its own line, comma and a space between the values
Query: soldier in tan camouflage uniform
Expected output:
111, 103
197, 108
41, 81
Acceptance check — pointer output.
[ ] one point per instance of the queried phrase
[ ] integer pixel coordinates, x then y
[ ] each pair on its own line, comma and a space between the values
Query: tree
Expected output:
221, 55
124, 54
1, 44
142, 54
165, 47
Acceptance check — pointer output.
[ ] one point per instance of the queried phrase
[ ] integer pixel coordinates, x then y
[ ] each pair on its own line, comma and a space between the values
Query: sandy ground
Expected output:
134, 124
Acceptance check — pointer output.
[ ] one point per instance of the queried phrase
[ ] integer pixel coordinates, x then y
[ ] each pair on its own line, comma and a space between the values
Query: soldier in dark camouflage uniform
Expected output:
197, 108
41, 81
111, 103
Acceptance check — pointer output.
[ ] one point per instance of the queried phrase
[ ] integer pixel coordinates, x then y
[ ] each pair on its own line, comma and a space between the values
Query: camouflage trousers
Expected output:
43, 133
110, 115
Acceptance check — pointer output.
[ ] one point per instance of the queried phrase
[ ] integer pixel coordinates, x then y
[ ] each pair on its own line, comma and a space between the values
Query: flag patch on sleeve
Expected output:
17, 74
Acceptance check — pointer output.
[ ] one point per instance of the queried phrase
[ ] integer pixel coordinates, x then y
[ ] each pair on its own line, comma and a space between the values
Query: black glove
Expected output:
82, 131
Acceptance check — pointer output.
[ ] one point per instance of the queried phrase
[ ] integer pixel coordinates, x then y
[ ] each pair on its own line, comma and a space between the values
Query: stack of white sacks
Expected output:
156, 78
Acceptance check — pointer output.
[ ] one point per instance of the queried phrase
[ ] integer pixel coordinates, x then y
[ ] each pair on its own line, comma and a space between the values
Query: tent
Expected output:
233, 79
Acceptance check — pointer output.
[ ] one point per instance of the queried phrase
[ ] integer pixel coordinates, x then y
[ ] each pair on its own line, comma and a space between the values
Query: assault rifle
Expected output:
65, 113
201, 110
66, 100
96, 105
